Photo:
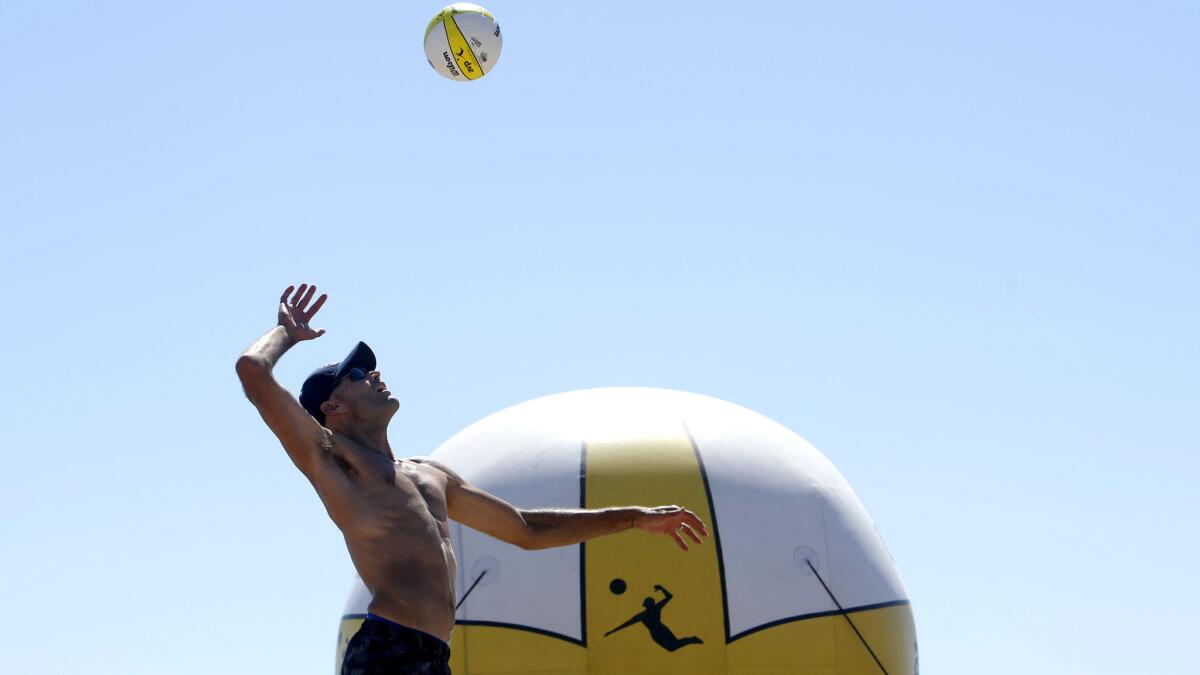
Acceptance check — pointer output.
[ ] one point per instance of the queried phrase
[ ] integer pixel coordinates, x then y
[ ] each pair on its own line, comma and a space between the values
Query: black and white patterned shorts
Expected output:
382, 647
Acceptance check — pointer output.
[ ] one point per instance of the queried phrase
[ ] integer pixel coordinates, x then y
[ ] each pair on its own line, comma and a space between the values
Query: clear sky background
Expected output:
955, 246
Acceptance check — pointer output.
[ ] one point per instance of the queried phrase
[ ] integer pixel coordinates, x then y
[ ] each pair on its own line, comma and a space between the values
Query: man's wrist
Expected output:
286, 341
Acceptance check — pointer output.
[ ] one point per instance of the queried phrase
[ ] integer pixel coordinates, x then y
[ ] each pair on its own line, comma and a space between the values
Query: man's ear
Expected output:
330, 409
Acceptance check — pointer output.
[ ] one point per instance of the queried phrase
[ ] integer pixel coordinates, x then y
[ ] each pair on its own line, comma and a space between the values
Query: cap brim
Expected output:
359, 357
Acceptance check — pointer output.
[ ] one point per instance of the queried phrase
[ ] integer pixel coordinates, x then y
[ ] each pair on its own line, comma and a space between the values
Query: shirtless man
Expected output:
393, 512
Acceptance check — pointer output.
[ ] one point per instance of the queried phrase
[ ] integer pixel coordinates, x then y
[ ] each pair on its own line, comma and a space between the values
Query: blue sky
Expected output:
955, 247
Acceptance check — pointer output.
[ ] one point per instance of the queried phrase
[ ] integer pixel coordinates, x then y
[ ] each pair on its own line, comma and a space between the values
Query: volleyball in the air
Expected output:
463, 41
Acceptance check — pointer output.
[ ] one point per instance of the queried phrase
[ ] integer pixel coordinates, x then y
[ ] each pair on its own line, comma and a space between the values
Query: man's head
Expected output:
348, 392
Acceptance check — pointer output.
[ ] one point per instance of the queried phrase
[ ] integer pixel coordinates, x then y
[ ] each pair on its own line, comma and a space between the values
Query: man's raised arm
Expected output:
300, 434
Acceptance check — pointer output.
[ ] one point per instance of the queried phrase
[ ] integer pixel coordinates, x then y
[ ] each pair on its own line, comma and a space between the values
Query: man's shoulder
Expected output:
435, 464
427, 461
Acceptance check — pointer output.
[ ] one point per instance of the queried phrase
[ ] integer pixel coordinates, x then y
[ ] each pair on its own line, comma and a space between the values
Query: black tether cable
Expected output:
847, 615
464, 597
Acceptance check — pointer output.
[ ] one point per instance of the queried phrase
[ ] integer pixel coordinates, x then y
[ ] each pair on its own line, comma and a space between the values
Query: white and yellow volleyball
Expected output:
463, 42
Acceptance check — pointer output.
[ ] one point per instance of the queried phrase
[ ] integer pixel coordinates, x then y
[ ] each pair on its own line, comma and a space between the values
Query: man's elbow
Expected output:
250, 368
252, 373
532, 544
530, 539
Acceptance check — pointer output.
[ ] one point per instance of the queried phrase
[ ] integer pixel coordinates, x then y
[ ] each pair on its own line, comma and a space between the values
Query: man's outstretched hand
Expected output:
672, 521
295, 314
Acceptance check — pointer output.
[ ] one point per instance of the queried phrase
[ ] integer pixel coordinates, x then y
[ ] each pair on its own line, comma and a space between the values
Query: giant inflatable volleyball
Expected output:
793, 579
463, 42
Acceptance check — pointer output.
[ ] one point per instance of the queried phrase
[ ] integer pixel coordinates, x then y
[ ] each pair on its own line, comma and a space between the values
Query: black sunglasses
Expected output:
354, 375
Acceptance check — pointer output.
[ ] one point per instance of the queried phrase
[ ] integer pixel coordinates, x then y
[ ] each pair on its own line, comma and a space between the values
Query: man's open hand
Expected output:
295, 314
672, 521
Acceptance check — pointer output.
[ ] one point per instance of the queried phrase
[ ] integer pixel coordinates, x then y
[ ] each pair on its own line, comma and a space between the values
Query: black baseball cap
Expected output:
321, 382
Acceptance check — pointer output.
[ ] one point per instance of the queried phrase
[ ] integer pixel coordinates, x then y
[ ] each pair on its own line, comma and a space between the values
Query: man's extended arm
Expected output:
545, 528
548, 528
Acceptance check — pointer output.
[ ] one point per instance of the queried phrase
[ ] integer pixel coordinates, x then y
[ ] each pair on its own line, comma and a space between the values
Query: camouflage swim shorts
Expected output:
382, 647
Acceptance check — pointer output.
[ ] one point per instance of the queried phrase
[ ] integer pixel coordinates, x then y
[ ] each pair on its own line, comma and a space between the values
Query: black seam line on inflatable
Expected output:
716, 532
469, 48
582, 550
529, 629
464, 597
819, 615
847, 615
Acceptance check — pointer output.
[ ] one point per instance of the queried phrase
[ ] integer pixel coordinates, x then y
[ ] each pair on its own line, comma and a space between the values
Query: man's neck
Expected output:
373, 438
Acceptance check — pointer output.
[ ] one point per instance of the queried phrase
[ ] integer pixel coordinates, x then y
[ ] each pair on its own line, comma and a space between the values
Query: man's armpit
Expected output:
325, 443
329, 453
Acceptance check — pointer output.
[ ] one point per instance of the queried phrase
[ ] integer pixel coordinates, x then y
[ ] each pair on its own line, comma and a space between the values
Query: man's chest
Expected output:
426, 482
401, 481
